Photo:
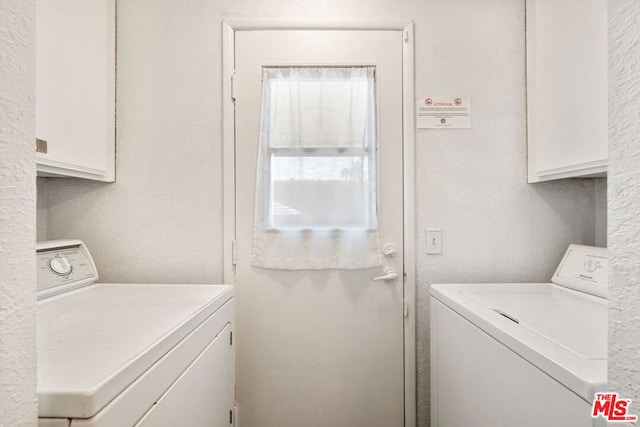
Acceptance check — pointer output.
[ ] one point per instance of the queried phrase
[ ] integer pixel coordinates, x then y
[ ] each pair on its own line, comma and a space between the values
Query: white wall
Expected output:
164, 212
624, 200
17, 214
161, 220
496, 228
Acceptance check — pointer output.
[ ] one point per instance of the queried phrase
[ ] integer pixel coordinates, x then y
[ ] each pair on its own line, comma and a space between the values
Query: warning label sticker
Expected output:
448, 112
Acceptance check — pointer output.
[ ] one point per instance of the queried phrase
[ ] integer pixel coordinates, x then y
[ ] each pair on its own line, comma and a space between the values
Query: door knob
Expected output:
388, 275
389, 249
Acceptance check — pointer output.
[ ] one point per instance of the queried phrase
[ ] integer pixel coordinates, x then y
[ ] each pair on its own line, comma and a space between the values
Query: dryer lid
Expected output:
94, 342
585, 269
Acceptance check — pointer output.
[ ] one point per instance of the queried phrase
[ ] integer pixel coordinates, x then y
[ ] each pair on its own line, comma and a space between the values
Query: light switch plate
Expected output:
433, 240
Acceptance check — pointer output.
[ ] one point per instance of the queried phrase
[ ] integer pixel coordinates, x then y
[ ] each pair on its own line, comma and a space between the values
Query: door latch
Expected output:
388, 275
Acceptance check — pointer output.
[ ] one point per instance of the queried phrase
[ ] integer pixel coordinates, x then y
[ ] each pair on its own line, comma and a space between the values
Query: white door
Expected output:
320, 347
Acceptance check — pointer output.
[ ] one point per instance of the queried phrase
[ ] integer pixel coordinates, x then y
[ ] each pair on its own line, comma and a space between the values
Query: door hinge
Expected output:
234, 252
231, 338
406, 36
231, 416
233, 87
405, 309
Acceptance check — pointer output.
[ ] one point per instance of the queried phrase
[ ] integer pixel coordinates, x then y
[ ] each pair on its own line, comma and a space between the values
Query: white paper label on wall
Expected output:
449, 112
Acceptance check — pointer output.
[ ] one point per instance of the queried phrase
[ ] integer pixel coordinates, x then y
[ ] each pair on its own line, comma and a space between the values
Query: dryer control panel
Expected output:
584, 268
63, 265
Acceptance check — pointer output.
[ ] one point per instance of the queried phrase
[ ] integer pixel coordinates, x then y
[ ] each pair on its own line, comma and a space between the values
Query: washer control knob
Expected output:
592, 266
389, 249
60, 265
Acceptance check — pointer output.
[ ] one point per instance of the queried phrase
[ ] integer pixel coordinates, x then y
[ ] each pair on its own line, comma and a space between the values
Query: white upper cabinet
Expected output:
75, 88
567, 88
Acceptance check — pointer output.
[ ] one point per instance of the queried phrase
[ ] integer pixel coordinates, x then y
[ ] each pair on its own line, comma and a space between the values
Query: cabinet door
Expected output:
75, 87
566, 88
204, 393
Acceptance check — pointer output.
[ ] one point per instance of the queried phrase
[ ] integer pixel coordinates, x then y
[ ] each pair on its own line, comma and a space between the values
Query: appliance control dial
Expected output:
592, 265
60, 265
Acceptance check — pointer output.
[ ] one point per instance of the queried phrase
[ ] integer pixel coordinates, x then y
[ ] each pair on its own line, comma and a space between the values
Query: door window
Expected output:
316, 180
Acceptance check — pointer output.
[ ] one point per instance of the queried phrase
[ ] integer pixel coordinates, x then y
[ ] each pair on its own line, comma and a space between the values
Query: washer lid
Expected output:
95, 341
561, 331
577, 324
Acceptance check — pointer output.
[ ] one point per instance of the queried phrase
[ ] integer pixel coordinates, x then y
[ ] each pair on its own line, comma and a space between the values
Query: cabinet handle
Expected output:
41, 146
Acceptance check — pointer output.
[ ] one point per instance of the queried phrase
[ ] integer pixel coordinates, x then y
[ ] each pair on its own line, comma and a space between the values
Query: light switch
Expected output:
433, 238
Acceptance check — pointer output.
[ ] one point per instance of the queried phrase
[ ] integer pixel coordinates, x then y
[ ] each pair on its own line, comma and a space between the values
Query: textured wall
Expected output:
41, 209
17, 214
624, 199
161, 220
164, 213
496, 227
601, 212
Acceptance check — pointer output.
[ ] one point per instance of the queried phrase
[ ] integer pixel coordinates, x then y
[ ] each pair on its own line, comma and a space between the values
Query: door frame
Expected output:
229, 27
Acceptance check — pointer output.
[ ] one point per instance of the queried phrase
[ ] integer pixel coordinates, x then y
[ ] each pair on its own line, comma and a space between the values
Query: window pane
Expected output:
320, 107
318, 139
331, 192
326, 113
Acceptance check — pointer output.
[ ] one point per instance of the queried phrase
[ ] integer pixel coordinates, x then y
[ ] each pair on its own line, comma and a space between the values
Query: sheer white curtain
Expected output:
315, 203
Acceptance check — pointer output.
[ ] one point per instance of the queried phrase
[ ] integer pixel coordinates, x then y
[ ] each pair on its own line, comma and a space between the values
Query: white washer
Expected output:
129, 354
522, 354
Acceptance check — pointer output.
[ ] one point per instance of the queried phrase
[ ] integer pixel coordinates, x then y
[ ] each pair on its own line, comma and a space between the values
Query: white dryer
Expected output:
525, 355
129, 354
